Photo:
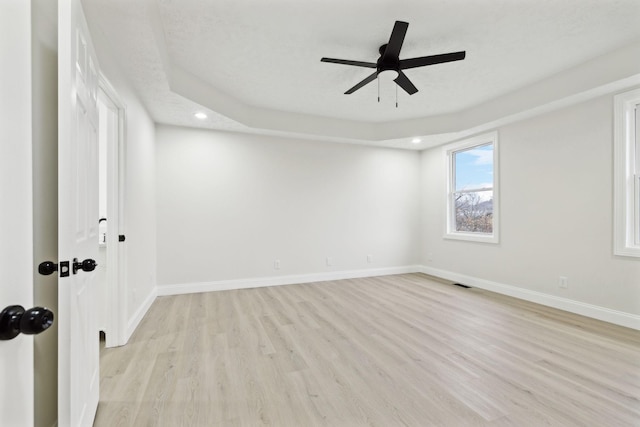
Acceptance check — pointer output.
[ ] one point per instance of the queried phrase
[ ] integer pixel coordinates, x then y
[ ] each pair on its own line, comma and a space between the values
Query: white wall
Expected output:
230, 204
556, 213
139, 205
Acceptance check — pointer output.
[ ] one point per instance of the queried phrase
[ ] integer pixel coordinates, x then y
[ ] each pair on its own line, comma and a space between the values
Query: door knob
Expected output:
46, 268
86, 265
36, 320
49, 267
10, 322
14, 320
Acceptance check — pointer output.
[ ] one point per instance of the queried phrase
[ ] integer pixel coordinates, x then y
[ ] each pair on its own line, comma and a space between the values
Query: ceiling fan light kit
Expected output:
390, 66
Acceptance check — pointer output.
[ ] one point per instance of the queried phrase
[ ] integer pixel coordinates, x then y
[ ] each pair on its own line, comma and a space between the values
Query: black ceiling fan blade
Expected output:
395, 41
403, 81
348, 62
369, 79
431, 60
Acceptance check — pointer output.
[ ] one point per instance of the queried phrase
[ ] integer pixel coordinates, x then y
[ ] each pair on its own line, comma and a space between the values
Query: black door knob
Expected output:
86, 265
14, 319
46, 268
10, 322
36, 320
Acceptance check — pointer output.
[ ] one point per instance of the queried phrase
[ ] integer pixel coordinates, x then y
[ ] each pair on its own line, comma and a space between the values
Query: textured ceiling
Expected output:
264, 56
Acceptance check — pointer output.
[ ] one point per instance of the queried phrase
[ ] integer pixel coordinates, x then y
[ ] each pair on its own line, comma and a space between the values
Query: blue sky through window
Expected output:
474, 168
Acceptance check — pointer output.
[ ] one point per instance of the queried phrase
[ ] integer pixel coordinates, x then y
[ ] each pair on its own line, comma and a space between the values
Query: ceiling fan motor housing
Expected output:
392, 64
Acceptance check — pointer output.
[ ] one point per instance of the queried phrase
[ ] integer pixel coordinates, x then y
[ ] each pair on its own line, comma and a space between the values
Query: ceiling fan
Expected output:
389, 62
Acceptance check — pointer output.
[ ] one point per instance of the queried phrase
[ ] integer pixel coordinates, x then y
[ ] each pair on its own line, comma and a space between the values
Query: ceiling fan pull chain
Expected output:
396, 96
378, 79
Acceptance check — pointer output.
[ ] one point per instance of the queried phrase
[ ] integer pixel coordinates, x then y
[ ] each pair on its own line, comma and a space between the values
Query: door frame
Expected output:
116, 321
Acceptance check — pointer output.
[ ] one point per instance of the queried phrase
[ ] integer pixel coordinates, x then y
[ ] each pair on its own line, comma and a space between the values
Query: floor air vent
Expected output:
461, 285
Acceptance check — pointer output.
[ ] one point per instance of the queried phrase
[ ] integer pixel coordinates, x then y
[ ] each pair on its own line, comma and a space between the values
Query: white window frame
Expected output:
450, 150
626, 171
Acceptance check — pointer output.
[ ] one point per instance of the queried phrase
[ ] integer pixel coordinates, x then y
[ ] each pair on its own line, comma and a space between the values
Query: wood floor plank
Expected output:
405, 350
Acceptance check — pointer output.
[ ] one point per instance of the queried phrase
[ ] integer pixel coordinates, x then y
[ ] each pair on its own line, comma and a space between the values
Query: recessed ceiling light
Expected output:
416, 141
200, 116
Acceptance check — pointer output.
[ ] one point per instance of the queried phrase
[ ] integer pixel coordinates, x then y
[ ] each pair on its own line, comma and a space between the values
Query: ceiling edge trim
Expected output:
185, 84
456, 125
603, 90
590, 79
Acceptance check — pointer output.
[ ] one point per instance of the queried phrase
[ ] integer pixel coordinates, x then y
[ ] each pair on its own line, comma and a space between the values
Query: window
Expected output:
627, 173
472, 195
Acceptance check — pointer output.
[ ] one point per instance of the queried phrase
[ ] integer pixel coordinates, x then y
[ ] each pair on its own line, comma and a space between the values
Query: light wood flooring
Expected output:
402, 350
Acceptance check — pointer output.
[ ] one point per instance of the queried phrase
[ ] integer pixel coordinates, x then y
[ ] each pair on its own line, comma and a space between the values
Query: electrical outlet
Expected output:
329, 261
369, 259
276, 264
563, 282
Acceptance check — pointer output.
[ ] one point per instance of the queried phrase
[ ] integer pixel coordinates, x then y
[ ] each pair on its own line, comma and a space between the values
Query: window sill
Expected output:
629, 251
473, 237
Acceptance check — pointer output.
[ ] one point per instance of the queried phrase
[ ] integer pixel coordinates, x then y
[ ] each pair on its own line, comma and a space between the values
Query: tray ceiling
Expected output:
254, 66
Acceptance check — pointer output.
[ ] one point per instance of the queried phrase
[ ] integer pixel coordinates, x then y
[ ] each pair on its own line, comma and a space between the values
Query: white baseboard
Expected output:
224, 285
597, 312
139, 314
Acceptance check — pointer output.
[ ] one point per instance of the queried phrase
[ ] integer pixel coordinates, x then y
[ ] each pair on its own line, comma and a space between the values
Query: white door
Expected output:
16, 251
78, 339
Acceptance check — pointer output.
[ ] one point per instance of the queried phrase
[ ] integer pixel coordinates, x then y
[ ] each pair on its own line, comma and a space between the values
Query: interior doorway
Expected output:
111, 237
